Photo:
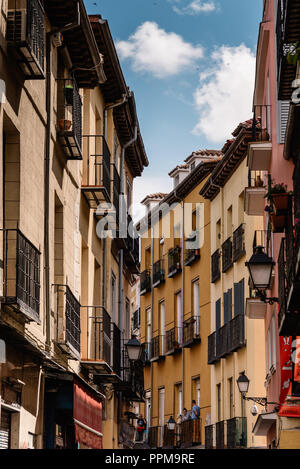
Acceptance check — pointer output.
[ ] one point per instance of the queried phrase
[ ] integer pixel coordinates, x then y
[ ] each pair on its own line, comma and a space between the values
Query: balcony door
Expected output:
162, 326
196, 307
178, 315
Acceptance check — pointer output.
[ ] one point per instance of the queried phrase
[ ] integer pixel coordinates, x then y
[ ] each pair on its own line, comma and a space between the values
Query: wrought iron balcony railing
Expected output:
190, 433
69, 118
236, 433
158, 273
132, 375
116, 355
192, 250
174, 261
145, 282
25, 32
220, 433
191, 331
227, 261
209, 437
158, 347
212, 354
236, 333
222, 341
146, 353
215, 266
96, 176
97, 345
21, 275
153, 437
172, 340
238, 244
67, 321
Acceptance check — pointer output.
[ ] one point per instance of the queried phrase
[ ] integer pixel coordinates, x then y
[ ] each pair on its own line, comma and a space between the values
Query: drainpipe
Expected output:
47, 172
182, 294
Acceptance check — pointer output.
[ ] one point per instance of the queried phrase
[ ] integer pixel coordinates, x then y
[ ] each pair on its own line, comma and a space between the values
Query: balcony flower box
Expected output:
278, 223
280, 201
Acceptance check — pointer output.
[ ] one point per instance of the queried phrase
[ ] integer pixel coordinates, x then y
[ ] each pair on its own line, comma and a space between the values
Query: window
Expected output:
161, 412
219, 402
229, 221
196, 306
149, 331
218, 314
196, 390
148, 408
228, 306
147, 258
239, 292
178, 314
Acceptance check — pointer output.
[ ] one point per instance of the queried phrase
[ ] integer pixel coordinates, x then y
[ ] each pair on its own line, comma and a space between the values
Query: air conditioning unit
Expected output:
57, 39
16, 26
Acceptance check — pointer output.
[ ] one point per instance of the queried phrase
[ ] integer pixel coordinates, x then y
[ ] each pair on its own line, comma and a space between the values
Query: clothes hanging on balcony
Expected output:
87, 417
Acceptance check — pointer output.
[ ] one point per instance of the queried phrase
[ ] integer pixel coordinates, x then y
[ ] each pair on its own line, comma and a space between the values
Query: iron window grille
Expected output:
158, 273
215, 266
238, 245
21, 274
227, 255
174, 261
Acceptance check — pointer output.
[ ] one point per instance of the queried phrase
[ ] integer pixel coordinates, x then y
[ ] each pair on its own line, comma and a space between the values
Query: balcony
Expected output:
96, 175
132, 378
25, 34
236, 333
192, 251
21, 276
96, 349
131, 248
287, 33
116, 192
158, 348
69, 118
260, 149
191, 332
211, 352
255, 193
238, 244
220, 433
227, 261
67, 319
222, 341
209, 437
173, 337
158, 273
237, 433
215, 266
174, 262
145, 281
190, 433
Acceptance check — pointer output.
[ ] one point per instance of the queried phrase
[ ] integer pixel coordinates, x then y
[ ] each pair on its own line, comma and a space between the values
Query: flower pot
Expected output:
64, 124
278, 223
280, 201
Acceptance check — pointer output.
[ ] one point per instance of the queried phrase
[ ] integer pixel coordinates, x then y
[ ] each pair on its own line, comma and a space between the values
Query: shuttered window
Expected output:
239, 297
283, 114
5, 429
218, 314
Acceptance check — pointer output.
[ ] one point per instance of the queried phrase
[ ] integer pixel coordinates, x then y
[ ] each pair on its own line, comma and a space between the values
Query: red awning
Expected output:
87, 417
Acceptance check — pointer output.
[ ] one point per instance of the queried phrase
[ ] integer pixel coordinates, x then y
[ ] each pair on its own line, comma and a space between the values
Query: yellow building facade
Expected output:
235, 344
175, 305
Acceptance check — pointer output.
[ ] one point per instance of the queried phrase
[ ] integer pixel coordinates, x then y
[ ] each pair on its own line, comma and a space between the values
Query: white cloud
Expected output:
195, 7
152, 49
148, 185
224, 96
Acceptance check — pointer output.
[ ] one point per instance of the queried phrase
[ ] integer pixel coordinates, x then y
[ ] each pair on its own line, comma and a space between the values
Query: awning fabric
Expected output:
263, 423
87, 417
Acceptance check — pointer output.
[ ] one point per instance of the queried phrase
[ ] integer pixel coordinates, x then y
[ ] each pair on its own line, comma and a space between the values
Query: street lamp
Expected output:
260, 268
171, 424
134, 349
243, 386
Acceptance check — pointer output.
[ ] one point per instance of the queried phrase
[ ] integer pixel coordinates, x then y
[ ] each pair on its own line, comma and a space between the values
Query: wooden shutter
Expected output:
283, 115
225, 307
218, 314
242, 294
236, 298
229, 304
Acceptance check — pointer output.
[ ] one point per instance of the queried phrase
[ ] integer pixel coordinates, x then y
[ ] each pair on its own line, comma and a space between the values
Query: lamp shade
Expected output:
134, 349
171, 423
243, 383
260, 268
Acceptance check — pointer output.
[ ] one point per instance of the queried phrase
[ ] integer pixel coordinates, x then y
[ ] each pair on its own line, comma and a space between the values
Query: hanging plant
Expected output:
293, 56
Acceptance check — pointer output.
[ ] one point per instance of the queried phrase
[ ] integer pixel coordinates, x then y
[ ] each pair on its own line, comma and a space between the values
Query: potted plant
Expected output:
68, 92
293, 55
64, 124
279, 196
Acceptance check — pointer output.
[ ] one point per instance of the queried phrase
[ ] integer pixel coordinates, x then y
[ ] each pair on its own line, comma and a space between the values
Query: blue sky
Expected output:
191, 65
